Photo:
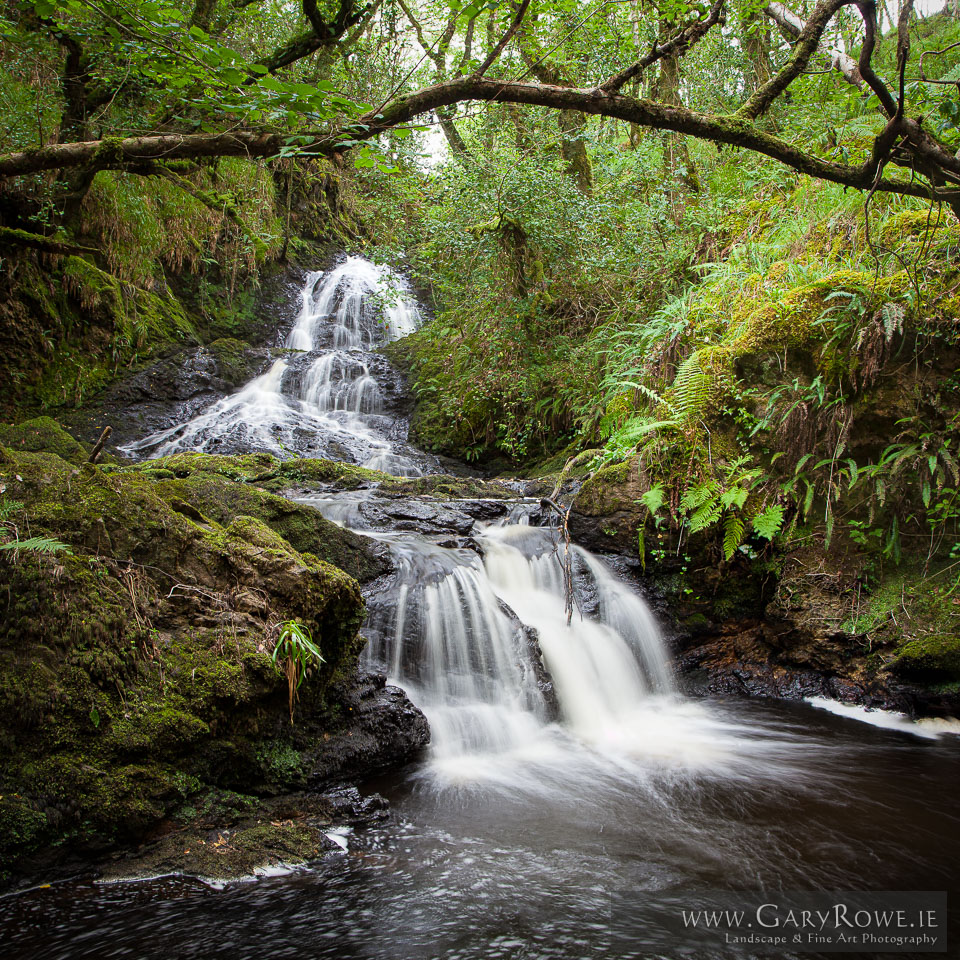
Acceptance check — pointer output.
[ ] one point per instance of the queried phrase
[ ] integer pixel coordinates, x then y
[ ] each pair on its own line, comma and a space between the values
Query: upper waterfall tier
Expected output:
331, 394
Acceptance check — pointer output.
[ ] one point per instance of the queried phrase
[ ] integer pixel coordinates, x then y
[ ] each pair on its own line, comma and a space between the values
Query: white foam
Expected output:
930, 728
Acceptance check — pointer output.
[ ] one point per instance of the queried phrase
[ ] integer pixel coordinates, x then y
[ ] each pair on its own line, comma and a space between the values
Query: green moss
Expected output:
280, 763
22, 830
156, 729
233, 359
135, 672
43, 434
930, 659
209, 495
608, 491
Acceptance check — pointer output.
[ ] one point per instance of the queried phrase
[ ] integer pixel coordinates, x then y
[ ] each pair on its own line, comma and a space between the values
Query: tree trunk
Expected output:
676, 154
450, 131
757, 48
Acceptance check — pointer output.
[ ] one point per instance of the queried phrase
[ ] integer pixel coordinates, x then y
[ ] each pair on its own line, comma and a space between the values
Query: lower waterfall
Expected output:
519, 702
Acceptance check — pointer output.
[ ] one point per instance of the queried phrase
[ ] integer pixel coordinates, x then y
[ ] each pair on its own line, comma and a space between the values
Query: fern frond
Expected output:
36, 545
654, 498
697, 496
705, 516
733, 531
768, 522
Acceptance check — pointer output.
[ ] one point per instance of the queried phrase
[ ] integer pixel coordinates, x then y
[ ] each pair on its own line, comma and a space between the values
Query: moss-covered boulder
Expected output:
930, 659
606, 513
135, 661
43, 434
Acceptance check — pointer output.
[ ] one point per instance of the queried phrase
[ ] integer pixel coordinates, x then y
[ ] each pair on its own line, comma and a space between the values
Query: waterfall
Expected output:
477, 633
323, 399
518, 701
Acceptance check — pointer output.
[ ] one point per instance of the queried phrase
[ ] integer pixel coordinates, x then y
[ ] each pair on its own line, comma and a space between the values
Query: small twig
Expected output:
98, 447
567, 562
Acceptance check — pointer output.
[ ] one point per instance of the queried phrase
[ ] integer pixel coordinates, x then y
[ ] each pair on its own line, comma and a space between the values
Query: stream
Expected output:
573, 801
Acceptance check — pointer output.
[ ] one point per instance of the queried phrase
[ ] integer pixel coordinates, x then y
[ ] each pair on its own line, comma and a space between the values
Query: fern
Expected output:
693, 387
36, 545
768, 522
705, 516
654, 498
953, 74
699, 495
735, 497
8, 508
733, 531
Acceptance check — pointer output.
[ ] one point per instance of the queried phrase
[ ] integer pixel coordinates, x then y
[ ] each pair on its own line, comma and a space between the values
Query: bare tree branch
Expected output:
903, 51
494, 54
735, 131
868, 11
678, 44
792, 26
807, 44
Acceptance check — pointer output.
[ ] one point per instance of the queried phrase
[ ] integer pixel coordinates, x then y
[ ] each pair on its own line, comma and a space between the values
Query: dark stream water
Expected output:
578, 829
595, 868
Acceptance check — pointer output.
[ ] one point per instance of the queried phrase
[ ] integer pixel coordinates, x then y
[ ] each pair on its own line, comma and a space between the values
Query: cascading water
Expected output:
323, 400
517, 699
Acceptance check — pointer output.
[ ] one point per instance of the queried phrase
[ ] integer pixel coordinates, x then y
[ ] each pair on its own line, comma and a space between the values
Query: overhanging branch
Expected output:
679, 44
734, 131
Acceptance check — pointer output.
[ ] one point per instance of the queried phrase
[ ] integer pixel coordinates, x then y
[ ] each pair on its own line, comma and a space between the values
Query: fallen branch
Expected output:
98, 447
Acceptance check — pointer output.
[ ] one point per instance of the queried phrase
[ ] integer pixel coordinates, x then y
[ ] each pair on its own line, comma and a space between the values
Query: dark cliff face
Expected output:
136, 676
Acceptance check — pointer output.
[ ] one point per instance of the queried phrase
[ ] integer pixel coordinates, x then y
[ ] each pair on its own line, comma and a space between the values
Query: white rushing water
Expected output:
473, 638
517, 699
323, 400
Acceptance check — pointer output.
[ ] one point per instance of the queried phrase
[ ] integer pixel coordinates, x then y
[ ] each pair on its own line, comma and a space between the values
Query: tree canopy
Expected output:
140, 85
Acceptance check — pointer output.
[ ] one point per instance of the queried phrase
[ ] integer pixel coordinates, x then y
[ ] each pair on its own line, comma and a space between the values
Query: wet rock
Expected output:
462, 543
351, 808
429, 518
480, 509
162, 684
548, 693
384, 730
532, 660
238, 836
606, 512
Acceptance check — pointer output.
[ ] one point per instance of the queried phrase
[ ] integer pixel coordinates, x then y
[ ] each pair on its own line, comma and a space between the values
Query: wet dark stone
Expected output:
384, 730
424, 517
531, 639
349, 807
480, 509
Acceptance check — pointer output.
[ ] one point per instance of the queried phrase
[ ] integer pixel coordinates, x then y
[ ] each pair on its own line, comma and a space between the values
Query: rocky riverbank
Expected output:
789, 624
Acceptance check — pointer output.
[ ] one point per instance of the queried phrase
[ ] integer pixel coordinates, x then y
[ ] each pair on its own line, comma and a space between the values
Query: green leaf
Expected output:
654, 498
768, 522
733, 531
705, 516
736, 497
36, 545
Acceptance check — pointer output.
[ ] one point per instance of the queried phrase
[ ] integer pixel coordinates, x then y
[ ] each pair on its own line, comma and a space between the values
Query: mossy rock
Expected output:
43, 434
930, 660
135, 671
301, 526
235, 359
